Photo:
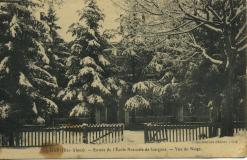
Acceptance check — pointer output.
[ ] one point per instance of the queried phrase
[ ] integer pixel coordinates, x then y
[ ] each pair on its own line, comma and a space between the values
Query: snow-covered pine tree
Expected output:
56, 47
24, 79
57, 51
87, 72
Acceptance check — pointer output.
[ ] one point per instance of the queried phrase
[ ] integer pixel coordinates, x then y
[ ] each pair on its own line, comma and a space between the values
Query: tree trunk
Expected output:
227, 101
213, 115
92, 118
133, 116
213, 130
11, 139
227, 115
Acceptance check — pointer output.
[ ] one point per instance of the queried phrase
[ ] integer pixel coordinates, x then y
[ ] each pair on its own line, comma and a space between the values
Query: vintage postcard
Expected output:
123, 79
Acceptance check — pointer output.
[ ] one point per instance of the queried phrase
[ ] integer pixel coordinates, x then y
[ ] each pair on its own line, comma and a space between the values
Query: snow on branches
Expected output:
4, 110
42, 73
87, 85
136, 102
79, 110
103, 60
88, 61
4, 65
23, 81
41, 52
51, 106
22, 39
67, 95
93, 43
144, 86
98, 84
95, 99
14, 26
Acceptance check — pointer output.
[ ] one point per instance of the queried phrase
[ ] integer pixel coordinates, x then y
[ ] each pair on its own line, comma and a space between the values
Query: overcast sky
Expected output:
67, 14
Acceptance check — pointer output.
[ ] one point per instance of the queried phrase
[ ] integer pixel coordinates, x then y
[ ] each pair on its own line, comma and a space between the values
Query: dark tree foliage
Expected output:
25, 82
58, 53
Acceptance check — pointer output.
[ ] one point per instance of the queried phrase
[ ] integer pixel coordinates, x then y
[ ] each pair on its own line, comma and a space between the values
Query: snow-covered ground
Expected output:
133, 146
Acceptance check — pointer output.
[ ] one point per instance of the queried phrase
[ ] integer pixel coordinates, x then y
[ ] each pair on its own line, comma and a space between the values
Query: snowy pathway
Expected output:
136, 137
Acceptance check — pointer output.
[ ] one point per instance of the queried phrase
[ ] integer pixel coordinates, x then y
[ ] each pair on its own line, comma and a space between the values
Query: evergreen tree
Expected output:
87, 72
56, 48
57, 51
25, 82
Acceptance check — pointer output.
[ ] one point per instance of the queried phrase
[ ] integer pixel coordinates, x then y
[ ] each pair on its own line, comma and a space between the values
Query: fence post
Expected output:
213, 129
11, 139
122, 129
17, 138
145, 133
85, 133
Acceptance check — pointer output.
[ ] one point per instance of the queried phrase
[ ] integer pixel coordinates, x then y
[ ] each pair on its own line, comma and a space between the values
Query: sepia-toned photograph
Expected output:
123, 79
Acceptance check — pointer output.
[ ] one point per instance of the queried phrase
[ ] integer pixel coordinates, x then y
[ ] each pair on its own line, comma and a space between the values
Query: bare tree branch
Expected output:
174, 29
181, 59
147, 10
241, 31
125, 9
231, 8
242, 48
167, 33
242, 40
238, 14
218, 30
164, 12
215, 13
151, 24
209, 24
204, 53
